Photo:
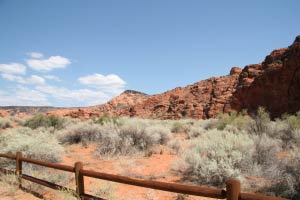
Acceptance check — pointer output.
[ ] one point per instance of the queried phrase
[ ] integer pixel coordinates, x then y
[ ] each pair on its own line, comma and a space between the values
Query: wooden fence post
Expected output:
79, 179
233, 189
19, 168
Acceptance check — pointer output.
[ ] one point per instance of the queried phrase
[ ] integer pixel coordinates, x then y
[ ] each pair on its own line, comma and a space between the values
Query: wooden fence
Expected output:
232, 192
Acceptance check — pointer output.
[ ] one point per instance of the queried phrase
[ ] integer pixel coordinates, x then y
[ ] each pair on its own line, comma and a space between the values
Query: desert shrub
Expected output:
37, 144
293, 121
265, 154
195, 131
216, 156
157, 134
9, 182
261, 121
133, 135
5, 123
241, 120
80, 132
105, 190
41, 120
209, 123
285, 129
225, 118
295, 142
107, 118
287, 182
143, 135
277, 129
111, 143
175, 145
179, 127
231, 128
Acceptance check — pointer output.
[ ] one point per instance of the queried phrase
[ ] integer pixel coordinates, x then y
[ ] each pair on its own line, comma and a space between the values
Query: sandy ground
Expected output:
157, 166
153, 165
6, 194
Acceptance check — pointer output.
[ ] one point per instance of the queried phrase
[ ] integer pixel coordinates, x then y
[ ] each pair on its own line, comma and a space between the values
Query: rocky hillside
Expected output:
203, 99
273, 84
119, 105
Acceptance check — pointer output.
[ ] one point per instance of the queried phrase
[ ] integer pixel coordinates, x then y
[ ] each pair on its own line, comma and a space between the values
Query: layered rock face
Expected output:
201, 100
273, 84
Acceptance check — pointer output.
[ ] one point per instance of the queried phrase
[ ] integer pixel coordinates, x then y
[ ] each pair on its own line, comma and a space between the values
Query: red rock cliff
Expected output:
273, 84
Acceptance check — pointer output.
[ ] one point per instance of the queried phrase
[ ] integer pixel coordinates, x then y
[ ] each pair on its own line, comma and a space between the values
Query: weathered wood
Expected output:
19, 168
45, 183
233, 189
171, 187
10, 156
50, 165
247, 196
79, 178
232, 192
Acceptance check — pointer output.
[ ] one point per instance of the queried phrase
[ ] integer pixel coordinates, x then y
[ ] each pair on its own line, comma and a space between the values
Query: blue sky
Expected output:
80, 53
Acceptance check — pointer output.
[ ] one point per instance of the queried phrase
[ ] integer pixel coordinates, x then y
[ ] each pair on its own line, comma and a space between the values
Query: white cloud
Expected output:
53, 62
51, 77
110, 83
13, 68
33, 79
82, 97
35, 55
22, 96
14, 78
36, 80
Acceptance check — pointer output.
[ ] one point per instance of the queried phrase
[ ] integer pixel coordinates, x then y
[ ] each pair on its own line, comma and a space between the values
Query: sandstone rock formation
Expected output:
118, 106
203, 100
273, 84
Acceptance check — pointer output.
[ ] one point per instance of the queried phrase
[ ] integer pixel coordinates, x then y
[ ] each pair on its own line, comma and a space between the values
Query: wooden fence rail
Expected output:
232, 192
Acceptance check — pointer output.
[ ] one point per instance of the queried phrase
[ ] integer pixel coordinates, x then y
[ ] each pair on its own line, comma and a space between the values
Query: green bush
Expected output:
107, 118
239, 120
41, 120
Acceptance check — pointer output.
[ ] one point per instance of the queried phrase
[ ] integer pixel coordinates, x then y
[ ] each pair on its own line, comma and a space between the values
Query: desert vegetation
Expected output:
260, 152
